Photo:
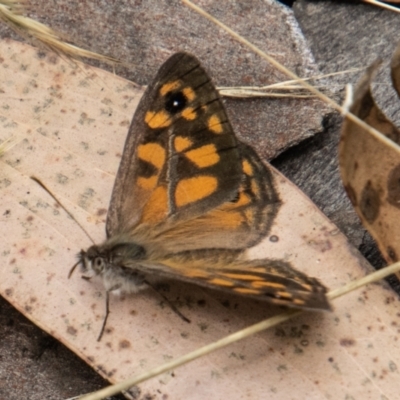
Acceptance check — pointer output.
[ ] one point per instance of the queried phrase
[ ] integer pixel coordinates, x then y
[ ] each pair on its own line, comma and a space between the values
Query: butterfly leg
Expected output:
173, 308
103, 326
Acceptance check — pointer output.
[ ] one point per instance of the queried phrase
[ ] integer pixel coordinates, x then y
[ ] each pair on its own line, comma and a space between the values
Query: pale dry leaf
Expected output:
71, 124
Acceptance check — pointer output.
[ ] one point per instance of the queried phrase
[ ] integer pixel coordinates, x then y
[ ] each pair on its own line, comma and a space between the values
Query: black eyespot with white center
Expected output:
175, 102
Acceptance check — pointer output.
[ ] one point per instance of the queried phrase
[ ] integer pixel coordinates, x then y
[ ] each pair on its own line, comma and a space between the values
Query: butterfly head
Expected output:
116, 262
93, 261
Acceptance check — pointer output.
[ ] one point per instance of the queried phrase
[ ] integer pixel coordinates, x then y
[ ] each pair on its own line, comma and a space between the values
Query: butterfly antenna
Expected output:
39, 182
173, 308
73, 268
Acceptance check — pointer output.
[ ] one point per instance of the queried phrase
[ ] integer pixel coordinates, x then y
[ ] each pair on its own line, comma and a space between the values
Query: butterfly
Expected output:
189, 199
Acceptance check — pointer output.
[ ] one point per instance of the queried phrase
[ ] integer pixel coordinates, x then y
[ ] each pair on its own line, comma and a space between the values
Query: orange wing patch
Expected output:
247, 168
169, 87
246, 291
189, 114
214, 124
181, 143
153, 153
156, 207
266, 284
189, 93
159, 119
193, 189
221, 220
221, 282
147, 183
204, 156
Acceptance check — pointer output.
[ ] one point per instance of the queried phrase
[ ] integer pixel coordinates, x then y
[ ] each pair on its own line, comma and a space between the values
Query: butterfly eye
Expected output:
175, 102
98, 264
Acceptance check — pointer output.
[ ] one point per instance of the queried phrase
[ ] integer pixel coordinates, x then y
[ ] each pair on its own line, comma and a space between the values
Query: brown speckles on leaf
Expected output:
389, 299
124, 344
85, 120
86, 197
100, 369
370, 202
49, 278
52, 59
125, 122
393, 187
392, 254
101, 211
347, 342
321, 245
72, 331
62, 179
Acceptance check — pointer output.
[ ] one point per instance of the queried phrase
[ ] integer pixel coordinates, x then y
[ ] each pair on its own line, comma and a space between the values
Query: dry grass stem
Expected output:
383, 5
8, 144
11, 13
290, 88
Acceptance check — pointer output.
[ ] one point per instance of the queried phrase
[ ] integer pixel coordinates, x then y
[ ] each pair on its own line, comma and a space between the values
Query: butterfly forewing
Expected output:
181, 157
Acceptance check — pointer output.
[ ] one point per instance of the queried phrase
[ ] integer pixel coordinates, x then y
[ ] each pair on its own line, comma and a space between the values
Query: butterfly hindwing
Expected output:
272, 280
181, 157
235, 224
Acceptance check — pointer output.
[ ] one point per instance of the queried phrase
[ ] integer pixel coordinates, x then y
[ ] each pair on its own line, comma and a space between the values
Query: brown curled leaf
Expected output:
370, 165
